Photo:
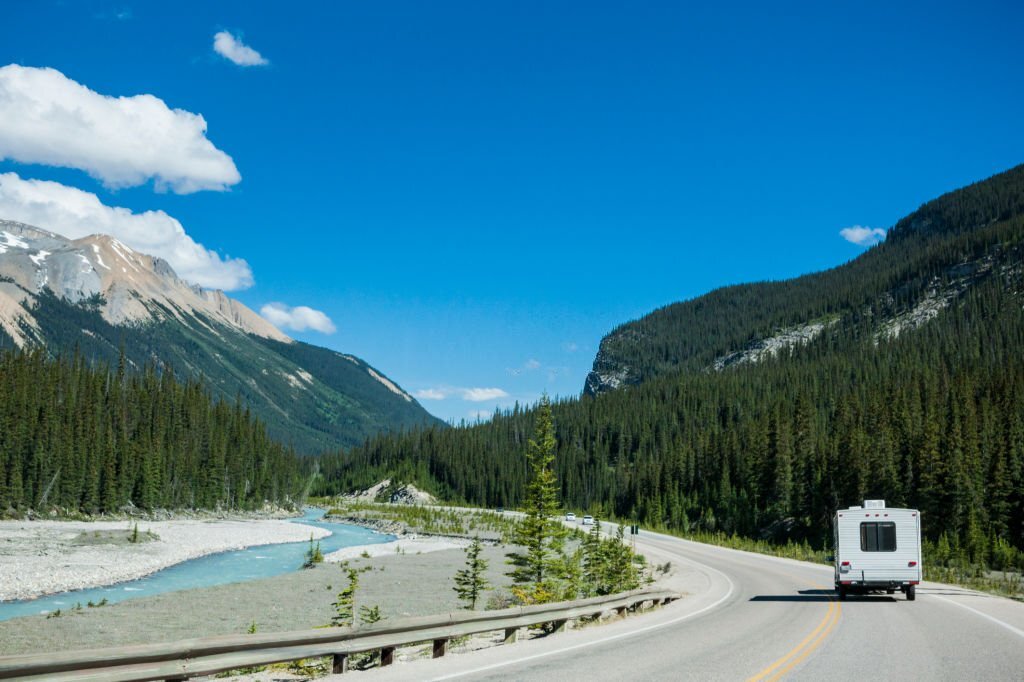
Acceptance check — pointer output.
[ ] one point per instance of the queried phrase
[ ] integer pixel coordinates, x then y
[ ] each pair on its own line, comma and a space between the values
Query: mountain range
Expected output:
97, 295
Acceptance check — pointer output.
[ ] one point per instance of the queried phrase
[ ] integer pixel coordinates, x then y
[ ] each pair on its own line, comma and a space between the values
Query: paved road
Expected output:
751, 617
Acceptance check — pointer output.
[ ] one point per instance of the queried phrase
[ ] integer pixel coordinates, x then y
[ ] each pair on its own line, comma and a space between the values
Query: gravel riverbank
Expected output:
412, 583
44, 557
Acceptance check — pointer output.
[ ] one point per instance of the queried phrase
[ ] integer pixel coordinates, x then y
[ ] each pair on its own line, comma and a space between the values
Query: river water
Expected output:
215, 569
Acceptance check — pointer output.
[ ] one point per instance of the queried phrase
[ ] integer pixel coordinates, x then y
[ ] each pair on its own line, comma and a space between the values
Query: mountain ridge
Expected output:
97, 295
686, 335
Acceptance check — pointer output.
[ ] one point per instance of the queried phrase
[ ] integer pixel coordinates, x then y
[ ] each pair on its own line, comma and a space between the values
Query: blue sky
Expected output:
473, 194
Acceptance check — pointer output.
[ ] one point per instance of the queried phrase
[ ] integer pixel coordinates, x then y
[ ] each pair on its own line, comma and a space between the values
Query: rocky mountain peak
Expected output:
127, 286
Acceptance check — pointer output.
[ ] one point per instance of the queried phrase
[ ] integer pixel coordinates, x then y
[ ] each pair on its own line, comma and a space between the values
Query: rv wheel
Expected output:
841, 589
911, 592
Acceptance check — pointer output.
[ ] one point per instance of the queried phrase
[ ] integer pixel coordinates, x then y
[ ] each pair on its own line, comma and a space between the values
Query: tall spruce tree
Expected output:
535, 571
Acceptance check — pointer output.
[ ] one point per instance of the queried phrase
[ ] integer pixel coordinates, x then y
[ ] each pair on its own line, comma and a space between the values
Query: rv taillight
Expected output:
912, 563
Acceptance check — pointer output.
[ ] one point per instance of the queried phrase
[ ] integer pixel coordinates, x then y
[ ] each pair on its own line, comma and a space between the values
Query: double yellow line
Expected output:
802, 650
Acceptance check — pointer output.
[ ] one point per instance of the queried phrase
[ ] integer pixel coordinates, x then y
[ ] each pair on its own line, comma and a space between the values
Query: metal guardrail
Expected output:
210, 655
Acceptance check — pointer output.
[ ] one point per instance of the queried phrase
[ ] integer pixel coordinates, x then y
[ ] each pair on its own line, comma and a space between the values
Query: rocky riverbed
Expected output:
44, 557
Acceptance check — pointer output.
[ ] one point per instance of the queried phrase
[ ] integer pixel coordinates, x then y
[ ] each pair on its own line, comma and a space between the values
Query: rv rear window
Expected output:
878, 536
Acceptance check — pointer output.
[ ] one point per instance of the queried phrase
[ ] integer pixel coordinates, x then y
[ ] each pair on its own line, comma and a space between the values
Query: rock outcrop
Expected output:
125, 286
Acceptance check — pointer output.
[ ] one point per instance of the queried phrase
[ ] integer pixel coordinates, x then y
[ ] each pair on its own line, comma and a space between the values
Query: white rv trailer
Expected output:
877, 548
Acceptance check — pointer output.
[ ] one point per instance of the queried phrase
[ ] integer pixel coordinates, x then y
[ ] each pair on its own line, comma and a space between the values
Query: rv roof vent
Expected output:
874, 504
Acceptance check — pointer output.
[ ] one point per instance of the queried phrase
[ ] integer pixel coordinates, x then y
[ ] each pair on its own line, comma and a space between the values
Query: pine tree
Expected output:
470, 582
595, 569
344, 604
540, 533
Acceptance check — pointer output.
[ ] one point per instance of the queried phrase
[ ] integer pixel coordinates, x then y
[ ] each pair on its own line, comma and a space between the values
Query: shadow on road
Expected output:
802, 595
820, 596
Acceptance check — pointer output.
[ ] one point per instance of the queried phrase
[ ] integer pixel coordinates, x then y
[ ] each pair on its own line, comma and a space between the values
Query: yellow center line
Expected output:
805, 647
814, 645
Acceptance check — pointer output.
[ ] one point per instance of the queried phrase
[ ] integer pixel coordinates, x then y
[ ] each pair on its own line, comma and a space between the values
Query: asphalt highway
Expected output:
752, 617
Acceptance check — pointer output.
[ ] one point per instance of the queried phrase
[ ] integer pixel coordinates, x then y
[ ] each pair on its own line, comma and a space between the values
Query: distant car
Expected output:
570, 517
588, 520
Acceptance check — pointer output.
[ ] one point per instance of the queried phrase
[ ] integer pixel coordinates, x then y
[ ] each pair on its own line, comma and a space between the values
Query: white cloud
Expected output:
300, 318
47, 118
233, 49
530, 365
479, 395
862, 236
474, 395
73, 213
430, 394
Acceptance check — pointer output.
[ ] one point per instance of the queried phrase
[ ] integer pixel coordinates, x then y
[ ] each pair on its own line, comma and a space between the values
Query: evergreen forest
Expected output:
78, 437
930, 417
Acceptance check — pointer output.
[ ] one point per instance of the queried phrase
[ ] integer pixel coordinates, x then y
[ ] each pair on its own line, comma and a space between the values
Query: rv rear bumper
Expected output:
875, 584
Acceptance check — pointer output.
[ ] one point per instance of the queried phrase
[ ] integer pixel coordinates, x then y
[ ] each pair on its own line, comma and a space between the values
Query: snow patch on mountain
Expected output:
99, 256
12, 242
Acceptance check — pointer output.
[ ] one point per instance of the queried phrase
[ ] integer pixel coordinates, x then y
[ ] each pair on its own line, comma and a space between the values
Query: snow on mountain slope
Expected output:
130, 287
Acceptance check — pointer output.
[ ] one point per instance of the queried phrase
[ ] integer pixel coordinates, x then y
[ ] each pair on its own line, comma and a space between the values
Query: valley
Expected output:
511, 341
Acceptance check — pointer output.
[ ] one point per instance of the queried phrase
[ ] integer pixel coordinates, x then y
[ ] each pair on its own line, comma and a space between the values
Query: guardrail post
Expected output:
440, 647
511, 634
558, 625
620, 611
340, 664
387, 656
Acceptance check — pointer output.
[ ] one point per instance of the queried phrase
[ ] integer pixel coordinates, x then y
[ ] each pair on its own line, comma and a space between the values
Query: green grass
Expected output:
428, 520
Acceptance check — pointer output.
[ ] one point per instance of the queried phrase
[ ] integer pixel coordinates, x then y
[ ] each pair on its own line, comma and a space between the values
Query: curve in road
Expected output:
759, 618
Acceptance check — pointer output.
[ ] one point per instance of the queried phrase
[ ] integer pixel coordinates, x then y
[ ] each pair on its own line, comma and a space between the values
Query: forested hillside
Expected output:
924, 251
926, 413
82, 438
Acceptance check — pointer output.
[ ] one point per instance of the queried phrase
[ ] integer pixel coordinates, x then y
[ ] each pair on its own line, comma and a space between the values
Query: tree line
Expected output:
91, 439
930, 419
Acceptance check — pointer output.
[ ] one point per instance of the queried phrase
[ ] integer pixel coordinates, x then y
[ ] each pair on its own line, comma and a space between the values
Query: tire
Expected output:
911, 592
841, 589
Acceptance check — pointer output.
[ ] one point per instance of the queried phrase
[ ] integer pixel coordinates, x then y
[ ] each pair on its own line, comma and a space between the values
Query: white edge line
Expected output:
1016, 631
595, 642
